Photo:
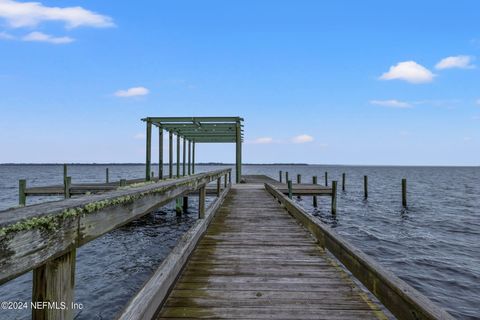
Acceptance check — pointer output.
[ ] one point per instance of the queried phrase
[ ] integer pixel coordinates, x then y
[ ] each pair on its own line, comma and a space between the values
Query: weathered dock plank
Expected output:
254, 263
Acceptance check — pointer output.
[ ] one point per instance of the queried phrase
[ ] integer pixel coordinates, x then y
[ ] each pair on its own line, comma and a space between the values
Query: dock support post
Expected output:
123, 182
189, 157
65, 171
299, 178
202, 194
178, 156
365, 186
219, 186
326, 179
55, 282
280, 175
22, 197
404, 192
193, 157
334, 197
170, 154
149, 151
314, 181
225, 181
160, 153
286, 176
178, 207
289, 183
238, 152
184, 156
230, 177
343, 181
185, 204
66, 187
107, 176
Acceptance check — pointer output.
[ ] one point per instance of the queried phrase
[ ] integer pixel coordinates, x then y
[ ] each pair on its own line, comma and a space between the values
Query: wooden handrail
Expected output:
32, 235
396, 295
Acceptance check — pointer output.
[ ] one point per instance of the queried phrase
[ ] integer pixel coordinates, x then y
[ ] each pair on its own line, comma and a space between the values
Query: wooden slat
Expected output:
257, 264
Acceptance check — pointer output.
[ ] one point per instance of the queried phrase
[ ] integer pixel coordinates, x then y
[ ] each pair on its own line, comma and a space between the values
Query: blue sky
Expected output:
337, 82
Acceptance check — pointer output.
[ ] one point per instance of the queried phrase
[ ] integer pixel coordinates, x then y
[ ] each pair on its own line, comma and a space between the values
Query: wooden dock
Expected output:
256, 261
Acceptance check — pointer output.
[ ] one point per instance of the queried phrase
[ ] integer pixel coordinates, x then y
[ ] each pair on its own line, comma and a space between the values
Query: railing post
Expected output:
54, 282
230, 177
225, 180
22, 197
286, 176
343, 181
404, 192
219, 184
365, 186
314, 181
334, 197
107, 176
280, 175
202, 194
289, 183
66, 187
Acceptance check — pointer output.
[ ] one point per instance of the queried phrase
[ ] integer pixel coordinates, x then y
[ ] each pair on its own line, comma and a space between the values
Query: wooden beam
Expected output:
35, 234
148, 161
54, 282
238, 154
170, 154
160, 153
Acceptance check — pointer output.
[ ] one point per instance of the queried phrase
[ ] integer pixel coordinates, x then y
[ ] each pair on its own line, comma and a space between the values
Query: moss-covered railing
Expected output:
44, 237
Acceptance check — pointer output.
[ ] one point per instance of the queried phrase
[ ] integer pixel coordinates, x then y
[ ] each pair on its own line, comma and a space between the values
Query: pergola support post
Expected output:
184, 156
193, 157
189, 157
170, 154
178, 156
238, 152
149, 152
160, 153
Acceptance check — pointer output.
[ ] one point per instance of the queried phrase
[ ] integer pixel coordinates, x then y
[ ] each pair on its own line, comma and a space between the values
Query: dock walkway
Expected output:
255, 261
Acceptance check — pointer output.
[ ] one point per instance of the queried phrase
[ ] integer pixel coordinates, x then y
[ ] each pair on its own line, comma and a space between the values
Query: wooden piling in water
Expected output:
299, 178
65, 171
326, 179
202, 194
343, 181
178, 206
314, 181
185, 204
365, 186
286, 176
67, 183
107, 176
334, 197
123, 182
404, 192
280, 176
22, 197
289, 183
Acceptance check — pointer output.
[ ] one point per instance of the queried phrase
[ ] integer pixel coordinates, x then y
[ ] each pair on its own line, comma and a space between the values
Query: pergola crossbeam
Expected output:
196, 130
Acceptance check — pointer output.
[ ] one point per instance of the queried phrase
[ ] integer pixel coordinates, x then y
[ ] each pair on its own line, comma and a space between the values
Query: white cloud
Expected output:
262, 140
303, 138
139, 136
6, 36
42, 37
392, 103
132, 92
30, 14
409, 71
462, 62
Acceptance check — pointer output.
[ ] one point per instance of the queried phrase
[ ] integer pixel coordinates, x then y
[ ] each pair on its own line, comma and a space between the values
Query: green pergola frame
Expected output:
193, 130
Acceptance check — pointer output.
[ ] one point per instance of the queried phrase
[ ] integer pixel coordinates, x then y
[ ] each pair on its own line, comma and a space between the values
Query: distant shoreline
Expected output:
233, 164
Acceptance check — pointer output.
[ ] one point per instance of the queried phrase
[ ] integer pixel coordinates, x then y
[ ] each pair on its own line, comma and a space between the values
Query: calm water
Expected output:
434, 244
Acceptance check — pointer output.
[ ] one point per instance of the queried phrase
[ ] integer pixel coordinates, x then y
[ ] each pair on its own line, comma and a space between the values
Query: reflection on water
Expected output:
433, 244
